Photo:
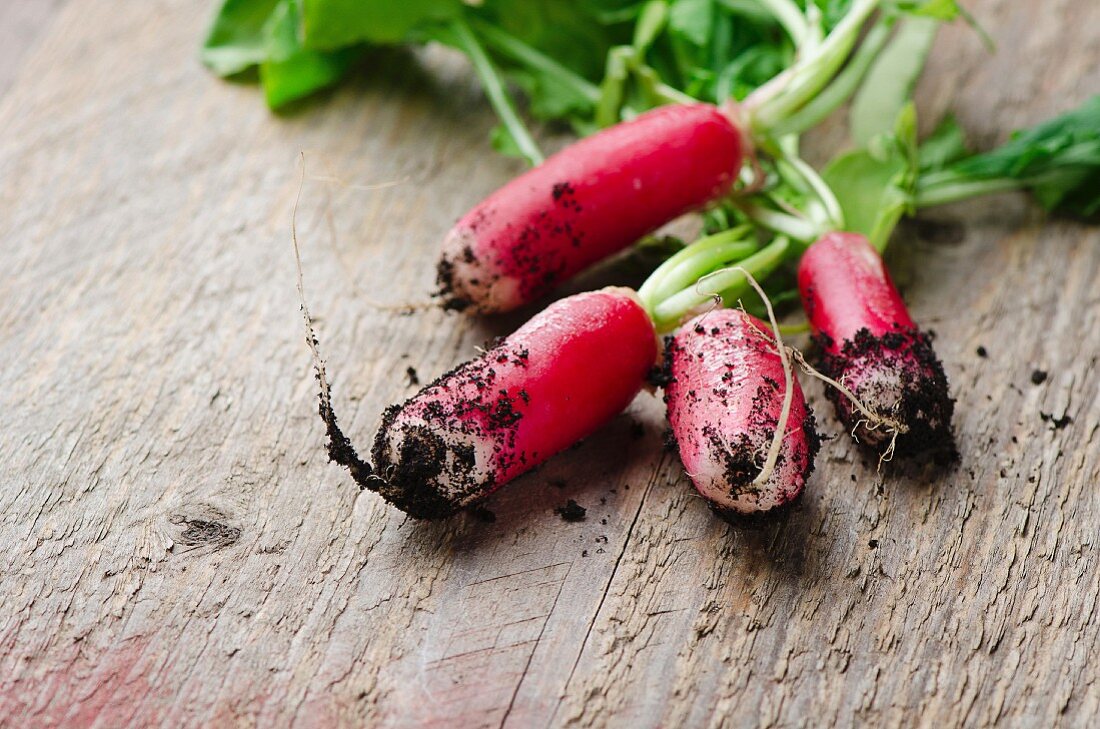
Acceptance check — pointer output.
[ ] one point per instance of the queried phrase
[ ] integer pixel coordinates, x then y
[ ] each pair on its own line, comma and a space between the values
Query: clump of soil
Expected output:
1058, 423
898, 376
571, 512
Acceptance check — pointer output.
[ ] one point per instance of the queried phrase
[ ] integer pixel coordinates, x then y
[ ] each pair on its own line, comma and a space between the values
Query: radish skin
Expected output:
589, 201
724, 393
556, 380
869, 343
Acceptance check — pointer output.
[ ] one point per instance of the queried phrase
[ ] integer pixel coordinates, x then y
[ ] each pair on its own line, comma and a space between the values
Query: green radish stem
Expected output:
800, 229
790, 90
948, 187
494, 88
682, 270
790, 16
525, 55
697, 266
842, 87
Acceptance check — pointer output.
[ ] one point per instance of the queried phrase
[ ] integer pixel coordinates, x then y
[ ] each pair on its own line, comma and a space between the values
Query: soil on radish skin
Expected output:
445, 283
410, 484
926, 405
758, 519
413, 482
740, 458
537, 267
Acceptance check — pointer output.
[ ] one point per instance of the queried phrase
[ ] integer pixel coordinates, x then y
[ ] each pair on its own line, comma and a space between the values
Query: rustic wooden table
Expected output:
175, 549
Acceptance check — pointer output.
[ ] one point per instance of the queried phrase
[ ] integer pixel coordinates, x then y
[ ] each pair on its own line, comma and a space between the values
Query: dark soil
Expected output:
926, 406
340, 449
1058, 423
572, 511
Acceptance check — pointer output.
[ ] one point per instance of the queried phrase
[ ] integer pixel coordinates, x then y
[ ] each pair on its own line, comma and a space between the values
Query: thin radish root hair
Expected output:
870, 420
340, 449
768, 468
330, 222
788, 385
311, 336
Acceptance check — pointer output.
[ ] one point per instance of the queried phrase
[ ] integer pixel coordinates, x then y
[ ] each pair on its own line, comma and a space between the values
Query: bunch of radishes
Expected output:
736, 412
728, 382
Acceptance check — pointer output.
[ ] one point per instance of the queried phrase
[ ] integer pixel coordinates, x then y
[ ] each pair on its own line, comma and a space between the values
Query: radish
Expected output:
603, 193
727, 389
592, 199
558, 378
573, 367
872, 347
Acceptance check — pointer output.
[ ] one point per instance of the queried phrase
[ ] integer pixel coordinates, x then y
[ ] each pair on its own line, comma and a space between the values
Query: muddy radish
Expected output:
577, 364
593, 199
725, 394
557, 379
870, 344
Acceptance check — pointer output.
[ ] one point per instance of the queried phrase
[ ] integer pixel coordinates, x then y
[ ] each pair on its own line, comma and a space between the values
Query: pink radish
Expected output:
725, 395
593, 199
870, 345
558, 378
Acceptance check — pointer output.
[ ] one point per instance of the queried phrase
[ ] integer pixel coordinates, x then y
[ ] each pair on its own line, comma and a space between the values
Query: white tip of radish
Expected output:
900, 380
431, 470
740, 494
467, 281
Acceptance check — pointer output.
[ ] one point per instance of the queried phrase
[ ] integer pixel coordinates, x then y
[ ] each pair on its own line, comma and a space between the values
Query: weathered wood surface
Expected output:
21, 24
175, 550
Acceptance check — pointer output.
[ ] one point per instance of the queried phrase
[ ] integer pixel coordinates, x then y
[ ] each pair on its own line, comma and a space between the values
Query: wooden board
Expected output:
175, 550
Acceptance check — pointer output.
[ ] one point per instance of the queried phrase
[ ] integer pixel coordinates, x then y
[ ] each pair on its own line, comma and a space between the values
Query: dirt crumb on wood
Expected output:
1058, 423
572, 511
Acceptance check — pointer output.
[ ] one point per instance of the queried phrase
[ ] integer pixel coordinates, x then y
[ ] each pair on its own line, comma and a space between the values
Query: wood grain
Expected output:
21, 24
174, 549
